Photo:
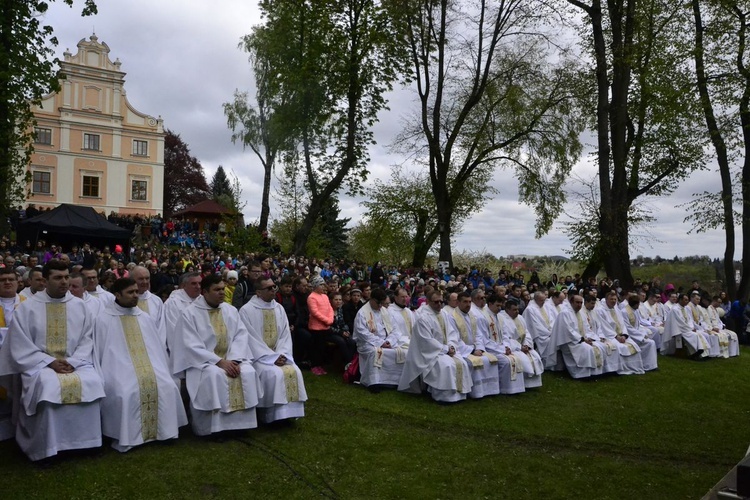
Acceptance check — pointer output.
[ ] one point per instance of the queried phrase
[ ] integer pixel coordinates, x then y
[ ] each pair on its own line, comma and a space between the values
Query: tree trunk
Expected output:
721, 154
265, 207
422, 241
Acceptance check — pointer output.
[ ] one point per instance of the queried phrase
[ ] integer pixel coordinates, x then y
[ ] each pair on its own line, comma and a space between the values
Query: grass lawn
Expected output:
668, 434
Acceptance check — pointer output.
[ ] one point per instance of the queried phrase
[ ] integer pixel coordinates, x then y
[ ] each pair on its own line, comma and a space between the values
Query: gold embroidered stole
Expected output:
520, 329
407, 319
618, 328
143, 305
57, 346
463, 326
236, 393
581, 330
144, 373
291, 383
694, 310
270, 331
545, 316
3, 323
441, 322
271, 337
459, 373
631, 315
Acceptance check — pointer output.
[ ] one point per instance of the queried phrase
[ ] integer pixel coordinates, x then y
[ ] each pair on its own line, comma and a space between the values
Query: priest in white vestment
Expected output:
539, 322
381, 359
402, 317
433, 356
648, 341
215, 353
652, 314
94, 288
175, 305
284, 392
50, 344
703, 325
484, 374
732, 347
148, 302
78, 289
609, 347
582, 357
35, 282
680, 331
612, 326
143, 401
9, 384
489, 326
521, 341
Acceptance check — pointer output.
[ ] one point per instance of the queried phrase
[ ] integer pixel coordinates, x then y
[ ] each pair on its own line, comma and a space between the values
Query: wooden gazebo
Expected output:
206, 212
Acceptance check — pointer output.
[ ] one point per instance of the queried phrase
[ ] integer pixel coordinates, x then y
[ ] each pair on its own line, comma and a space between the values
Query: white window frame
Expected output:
87, 138
34, 171
93, 174
140, 147
133, 180
46, 133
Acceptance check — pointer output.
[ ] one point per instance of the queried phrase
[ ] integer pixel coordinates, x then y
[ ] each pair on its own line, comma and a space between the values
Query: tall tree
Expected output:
723, 80
331, 65
404, 204
646, 109
257, 127
27, 72
185, 182
489, 96
220, 185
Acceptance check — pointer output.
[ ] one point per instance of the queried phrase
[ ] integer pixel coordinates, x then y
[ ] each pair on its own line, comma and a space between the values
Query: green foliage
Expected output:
567, 439
489, 97
185, 183
220, 186
373, 240
329, 65
641, 101
239, 239
28, 71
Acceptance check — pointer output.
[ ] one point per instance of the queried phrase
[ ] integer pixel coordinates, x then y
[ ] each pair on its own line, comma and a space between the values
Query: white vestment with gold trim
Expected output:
58, 411
143, 401
284, 393
217, 402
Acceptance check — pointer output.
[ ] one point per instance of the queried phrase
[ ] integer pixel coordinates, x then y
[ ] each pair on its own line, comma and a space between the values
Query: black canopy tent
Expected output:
69, 225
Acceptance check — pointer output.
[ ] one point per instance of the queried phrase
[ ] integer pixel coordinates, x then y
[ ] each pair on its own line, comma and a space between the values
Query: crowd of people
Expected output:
86, 346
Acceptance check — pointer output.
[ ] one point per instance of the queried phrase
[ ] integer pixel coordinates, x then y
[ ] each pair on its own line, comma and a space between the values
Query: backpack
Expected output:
351, 372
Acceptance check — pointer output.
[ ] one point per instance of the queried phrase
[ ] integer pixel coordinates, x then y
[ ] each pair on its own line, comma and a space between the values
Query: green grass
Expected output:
668, 434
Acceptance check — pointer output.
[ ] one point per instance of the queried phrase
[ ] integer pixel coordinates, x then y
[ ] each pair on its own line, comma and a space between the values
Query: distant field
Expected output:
667, 434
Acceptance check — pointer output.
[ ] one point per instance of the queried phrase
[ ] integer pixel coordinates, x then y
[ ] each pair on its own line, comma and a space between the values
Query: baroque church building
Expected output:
92, 147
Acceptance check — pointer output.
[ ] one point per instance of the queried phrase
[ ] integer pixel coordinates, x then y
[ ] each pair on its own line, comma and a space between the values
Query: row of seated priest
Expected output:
77, 367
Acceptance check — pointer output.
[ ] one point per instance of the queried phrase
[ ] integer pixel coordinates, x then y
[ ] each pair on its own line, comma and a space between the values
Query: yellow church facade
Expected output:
92, 147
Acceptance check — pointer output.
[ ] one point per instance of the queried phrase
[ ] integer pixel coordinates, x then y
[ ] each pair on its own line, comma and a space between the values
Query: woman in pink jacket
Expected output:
319, 324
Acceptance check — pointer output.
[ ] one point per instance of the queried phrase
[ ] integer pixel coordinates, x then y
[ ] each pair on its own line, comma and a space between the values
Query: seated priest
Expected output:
50, 344
433, 357
270, 338
213, 349
143, 401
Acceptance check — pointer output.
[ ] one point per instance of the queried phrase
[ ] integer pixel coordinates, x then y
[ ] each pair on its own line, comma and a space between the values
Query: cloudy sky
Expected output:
182, 63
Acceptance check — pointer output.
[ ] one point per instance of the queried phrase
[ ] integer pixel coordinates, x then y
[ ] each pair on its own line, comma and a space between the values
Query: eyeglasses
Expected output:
438, 302
254, 270
268, 288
